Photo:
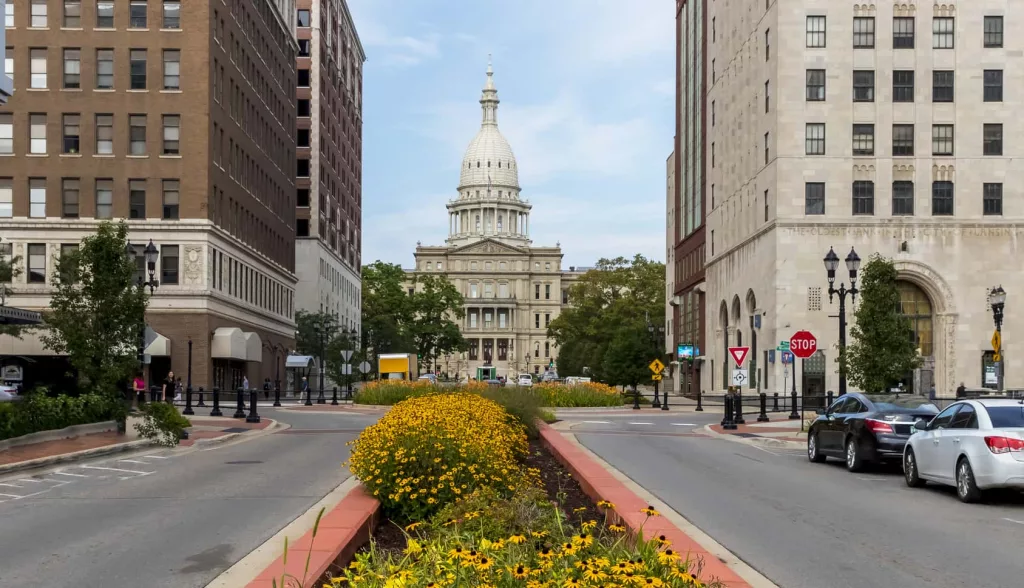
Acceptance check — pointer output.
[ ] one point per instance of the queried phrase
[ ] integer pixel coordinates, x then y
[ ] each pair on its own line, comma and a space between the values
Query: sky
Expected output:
586, 89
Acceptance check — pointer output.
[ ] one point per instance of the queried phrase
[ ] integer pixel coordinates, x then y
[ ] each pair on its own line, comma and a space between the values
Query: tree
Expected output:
882, 350
386, 310
97, 313
319, 335
434, 304
9, 269
617, 299
626, 358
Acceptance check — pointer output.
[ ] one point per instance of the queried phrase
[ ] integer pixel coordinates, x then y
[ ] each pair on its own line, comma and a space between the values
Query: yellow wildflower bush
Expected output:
578, 395
428, 451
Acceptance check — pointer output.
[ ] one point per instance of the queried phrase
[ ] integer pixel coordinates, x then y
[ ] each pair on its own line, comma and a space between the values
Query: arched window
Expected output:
917, 307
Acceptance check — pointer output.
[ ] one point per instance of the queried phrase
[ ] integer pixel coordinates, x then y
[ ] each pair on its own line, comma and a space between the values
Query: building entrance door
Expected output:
813, 383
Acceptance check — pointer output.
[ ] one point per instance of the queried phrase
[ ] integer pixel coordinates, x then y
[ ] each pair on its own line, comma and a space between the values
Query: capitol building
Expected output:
512, 289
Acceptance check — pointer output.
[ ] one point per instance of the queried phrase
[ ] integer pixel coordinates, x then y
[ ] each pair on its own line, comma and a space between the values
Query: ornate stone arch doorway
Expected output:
927, 300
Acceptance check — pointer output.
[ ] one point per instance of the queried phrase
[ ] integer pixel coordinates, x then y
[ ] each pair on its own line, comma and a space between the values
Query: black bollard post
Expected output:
738, 402
309, 397
775, 402
763, 417
254, 417
793, 414
700, 407
277, 394
334, 396
188, 402
348, 393
664, 400
728, 423
216, 403
239, 405
320, 398
828, 399
202, 403
636, 399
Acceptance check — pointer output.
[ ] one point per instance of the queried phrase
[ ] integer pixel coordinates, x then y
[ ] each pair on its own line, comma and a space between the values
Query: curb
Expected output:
59, 434
780, 443
274, 426
598, 482
41, 462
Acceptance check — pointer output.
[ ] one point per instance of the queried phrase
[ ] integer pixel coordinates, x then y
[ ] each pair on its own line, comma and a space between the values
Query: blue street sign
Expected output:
787, 357
757, 321
771, 356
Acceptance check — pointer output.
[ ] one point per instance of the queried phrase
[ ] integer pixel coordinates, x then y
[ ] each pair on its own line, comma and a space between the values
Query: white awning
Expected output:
229, 343
253, 348
156, 344
299, 361
30, 344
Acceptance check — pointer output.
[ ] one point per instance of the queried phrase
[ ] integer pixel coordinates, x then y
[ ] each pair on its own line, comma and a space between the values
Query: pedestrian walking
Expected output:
304, 390
139, 385
266, 388
245, 383
167, 387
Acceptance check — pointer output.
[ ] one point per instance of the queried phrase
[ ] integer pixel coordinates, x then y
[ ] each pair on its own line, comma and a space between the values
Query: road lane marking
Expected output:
69, 474
1014, 521
29, 480
155, 456
10, 495
597, 422
764, 450
10, 485
641, 423
869, 479
133, 461
683, 425
115, 470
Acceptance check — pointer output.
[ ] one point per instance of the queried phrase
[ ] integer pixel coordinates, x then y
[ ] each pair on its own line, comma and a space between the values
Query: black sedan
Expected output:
861, 428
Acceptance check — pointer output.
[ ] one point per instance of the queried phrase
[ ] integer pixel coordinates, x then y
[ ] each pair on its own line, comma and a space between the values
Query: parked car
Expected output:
861, 428
494, 382
525, 380
8, 393
973, 445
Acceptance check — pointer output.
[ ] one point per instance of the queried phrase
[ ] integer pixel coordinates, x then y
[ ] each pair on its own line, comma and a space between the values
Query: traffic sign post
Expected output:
787, 357
656, 368
739, 354
739, 377
656, 377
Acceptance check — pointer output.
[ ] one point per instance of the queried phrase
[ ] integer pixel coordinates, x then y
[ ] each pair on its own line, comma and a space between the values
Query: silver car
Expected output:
974, 445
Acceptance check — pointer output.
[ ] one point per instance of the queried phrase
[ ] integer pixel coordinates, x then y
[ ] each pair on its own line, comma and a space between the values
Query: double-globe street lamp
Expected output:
151, 254
997, 299
831, 265
656, 334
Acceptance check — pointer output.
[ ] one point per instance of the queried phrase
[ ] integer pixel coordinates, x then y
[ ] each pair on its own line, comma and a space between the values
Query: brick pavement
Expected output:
59, 447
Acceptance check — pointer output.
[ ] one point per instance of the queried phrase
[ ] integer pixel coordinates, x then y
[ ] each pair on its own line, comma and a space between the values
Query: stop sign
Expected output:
803, 344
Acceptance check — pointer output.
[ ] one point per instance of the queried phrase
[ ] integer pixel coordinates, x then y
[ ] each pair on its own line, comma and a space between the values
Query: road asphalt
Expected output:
807, 525
170, 518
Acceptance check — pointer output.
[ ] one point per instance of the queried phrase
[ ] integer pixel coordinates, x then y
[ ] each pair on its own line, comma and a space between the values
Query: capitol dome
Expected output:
489, 161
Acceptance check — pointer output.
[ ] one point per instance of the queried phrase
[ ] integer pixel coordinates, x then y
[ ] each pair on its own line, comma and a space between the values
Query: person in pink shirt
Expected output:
139, 385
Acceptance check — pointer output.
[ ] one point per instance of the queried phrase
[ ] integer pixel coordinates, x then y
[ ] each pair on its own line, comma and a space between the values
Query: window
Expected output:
547, 291
993, 32
69, 198
815, 32
302, 197
169, 265
72, 68
304, 48
302, 168
303, 18
992, 199
37, 133
864, 85
767, 96
536, 325
302, 138
6, 133
903, 86
302, 227
863, 32
942, 86
172, 134
38, 14
942, 32
864, 198
863, 139
814, 198
993, 139
547, 347
37, 68
302, 108
767, 44
105, 14
137, 199
104, 198
137, 14
104, 134
37, 198
303, 78
172, 14
172, 69
965, 418
104, 69
993, 85
474, 292
9, 61
942, 139
903, 32
137, 134
814, 139
903, 198
536, 291
36, 263
766, 153
942, 198
6, 198
902, 140
9, 15
137, 68
71, 134
72, 14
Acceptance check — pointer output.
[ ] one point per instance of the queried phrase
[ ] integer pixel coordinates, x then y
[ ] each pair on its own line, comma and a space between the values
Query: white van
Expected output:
574, 380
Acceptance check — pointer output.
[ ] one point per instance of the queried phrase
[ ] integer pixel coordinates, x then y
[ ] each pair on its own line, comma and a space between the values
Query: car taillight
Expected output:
878, 426
1004, 444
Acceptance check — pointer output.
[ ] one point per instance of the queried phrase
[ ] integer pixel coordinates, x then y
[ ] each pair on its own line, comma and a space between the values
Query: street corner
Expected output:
206, 431
781, 435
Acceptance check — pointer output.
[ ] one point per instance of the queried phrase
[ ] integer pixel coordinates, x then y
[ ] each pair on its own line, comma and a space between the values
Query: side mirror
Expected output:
921, 425
819, 411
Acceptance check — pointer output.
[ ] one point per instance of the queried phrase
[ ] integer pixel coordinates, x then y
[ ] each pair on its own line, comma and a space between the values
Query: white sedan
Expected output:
525, 380
974, 445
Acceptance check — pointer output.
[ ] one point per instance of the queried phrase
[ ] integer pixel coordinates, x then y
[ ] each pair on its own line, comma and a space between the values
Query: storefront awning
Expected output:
229, 343
156, 344
253, 347
17, 316
300, 361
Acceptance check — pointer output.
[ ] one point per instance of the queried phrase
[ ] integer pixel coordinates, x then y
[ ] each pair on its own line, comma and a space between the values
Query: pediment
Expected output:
489, 247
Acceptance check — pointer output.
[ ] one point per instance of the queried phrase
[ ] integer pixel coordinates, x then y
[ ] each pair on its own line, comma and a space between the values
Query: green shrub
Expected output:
38, 412
162, 423
526, 511
523, 406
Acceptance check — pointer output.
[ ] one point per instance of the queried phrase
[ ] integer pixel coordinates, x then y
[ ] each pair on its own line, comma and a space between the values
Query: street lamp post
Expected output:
656, 333
997, 299
831, 264
151, 254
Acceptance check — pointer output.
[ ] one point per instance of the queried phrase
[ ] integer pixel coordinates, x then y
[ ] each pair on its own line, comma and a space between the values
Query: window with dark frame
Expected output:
36, 263
304, 48
814, 139
993, 80
137, 134
863, 198
993, 139
766, 151
137, 68
767, 96
903, 32
172, 69
72, 69
942, 85
137, 10
864, 85
943, 32
863, 32
105, 14
172, 199
302, 18
104, 69
72, 134
69, 195
172, 15
942, 198
72, 14
172, 134
767, 44
903, 198
993, 32
942, 139
104, 198
816, 38
863, 139
303, 78
992, 199
902, 140
137, 199
815, 85
169, 263
903, 85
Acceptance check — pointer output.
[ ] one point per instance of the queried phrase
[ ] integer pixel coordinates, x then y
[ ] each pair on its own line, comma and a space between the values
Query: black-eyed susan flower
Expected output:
617, 528
517, 539
519, 572
650, 511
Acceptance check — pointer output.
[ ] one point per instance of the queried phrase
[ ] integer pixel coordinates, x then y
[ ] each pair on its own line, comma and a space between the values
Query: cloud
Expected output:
388, 47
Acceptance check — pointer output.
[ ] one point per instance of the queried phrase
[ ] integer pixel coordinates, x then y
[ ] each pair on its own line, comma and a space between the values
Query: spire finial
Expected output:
489, 100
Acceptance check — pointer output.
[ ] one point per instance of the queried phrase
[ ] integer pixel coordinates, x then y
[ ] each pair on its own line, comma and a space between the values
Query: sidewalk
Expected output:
782, 430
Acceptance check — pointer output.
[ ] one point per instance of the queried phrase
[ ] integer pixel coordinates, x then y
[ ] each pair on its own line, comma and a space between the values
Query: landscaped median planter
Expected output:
467, 500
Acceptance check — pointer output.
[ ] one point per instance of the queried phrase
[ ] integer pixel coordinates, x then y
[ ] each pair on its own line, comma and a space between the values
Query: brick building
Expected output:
178, 117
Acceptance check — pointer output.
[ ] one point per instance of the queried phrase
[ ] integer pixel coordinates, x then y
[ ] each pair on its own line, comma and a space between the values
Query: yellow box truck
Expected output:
397, 366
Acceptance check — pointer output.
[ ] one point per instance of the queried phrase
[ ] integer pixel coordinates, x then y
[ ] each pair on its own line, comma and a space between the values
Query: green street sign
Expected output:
783, 346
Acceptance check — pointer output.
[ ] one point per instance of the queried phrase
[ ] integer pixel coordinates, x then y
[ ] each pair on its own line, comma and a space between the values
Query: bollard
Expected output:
348, 392
828, 399
239, 405
763, 417
793, 414
664, 400
775, 402
254, 416
334, 396
727, 422
309, 397
201, 402
216, 403
700, 407
636, 399
320, 398
738, 419
188, 402
277, 394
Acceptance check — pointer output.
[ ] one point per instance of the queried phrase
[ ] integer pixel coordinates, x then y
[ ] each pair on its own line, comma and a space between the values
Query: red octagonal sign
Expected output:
803, 344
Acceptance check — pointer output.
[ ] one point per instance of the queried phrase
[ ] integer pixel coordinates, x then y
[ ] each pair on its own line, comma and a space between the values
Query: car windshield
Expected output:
894, 402
1006, 417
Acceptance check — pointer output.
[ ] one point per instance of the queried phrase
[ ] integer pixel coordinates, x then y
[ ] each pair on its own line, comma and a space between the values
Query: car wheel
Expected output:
813, 454
910, 471
854, 463
966, 488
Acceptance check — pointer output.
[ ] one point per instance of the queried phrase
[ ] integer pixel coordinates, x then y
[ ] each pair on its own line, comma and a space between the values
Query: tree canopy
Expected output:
882, 351
606, 323
328, 348
9, 269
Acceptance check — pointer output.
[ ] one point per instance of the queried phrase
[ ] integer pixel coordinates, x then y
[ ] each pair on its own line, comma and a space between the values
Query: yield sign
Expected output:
739, 354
